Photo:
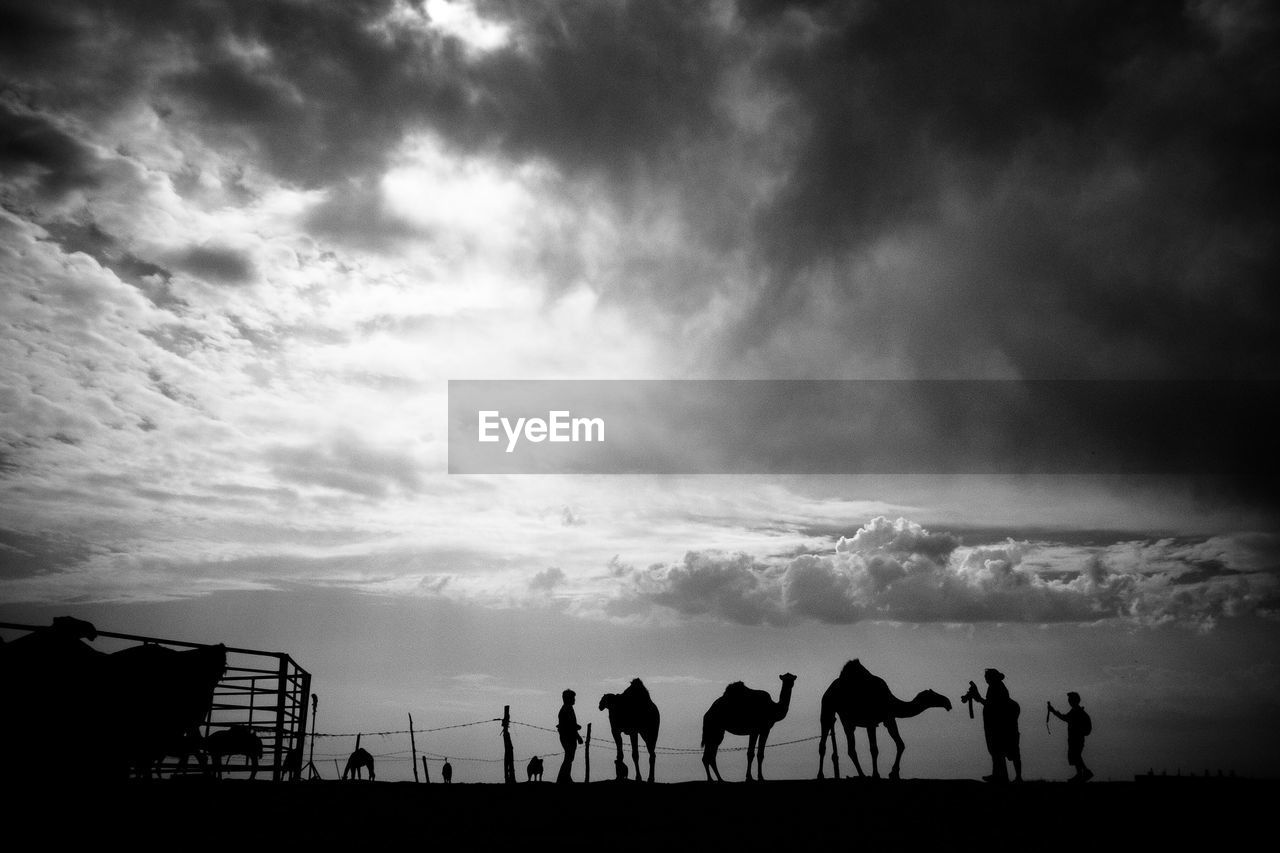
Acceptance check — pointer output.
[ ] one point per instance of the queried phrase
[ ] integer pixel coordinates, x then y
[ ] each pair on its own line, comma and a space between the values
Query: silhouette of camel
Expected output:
187, 745
166, 696
743, 711
359, 758
534, 770
632, 712
236, 740
864, 700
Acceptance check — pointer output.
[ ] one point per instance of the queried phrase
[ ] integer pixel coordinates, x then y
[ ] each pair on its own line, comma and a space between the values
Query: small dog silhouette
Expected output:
535, 769
620, 767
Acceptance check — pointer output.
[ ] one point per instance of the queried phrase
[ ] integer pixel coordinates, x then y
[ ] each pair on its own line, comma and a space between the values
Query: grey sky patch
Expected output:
346, 463
219, 264
30, 554
547, 580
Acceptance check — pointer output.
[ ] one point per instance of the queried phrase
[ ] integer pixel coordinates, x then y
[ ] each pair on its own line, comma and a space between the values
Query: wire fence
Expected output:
601, 744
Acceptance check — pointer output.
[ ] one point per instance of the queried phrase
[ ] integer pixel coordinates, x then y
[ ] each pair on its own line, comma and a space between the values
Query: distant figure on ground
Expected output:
292, 768
743, 711
447, 771
534, 769
1079, 726
358, 759
620, 770
234, 740
864, 700
569, 738
632, 712
999, 725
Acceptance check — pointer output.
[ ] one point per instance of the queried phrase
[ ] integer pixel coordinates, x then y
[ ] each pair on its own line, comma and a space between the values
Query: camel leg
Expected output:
891, 726
849, 730
764, 736
875, 752
828, 725
253, 759
649, 745
751, 753
617, 739
635, 753
711, 742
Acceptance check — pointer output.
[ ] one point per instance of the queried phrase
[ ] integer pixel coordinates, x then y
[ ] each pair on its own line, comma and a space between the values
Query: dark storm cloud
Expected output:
1083, 189
324, 91
153, 280
1047, 190
34, 149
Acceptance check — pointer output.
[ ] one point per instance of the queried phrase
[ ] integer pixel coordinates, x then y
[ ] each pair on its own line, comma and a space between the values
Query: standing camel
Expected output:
863, 700
743, 711
632, 712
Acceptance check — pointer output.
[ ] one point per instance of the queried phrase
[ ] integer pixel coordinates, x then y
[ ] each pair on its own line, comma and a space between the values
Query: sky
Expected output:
244, 246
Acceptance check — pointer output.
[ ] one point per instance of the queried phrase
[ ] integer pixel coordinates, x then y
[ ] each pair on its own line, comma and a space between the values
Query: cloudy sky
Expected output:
245, 245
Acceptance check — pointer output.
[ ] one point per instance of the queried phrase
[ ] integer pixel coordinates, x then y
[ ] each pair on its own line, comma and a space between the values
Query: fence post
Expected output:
281, 687
426, 774
413, 745
586, 756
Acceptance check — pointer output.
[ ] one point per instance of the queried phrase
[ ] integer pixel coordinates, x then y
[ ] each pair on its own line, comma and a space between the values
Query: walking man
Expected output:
1079, 726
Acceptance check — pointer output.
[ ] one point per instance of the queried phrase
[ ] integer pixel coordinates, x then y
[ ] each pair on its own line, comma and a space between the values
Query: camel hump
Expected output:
854, 670
735, 687
637, 688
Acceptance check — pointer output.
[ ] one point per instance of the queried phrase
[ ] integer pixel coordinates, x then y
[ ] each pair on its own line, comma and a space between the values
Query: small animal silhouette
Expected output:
234, 740
535, 769
358, 759
447, 771
620, 768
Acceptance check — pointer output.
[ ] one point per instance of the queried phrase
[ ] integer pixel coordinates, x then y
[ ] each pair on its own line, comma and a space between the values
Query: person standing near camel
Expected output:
1079, 726
569, 738
999, 725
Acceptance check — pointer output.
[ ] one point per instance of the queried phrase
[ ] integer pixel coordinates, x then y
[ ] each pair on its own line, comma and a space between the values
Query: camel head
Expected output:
606, 700
930, 699
787, 679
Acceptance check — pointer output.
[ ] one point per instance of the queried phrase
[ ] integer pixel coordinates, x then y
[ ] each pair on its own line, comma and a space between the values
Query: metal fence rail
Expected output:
264, 691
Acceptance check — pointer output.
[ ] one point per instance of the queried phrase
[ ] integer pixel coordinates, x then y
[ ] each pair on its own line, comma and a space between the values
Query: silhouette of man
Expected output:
1078, 727
569, 738
999, 726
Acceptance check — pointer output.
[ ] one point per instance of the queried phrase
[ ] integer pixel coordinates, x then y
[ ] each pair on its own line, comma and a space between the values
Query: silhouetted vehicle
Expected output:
632, 712
864, 700
743, 711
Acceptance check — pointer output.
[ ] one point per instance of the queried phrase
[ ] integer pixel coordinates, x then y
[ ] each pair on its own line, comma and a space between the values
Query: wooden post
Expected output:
413, 745
508, 753
336, 768
426, 774
586, 756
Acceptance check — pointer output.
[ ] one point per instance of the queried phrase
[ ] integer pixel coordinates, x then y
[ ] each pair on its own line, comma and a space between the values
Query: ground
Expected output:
782, 815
